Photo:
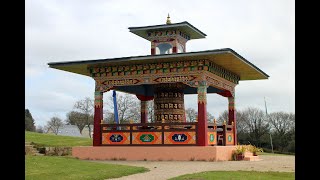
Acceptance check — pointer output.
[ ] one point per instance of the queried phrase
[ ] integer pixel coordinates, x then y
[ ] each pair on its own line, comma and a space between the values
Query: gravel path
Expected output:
160, 170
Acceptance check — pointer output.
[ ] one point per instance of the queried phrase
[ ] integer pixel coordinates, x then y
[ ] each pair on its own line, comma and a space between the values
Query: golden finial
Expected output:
101, 121
131, 121
168, 19
232, 123
224, 122
214, 120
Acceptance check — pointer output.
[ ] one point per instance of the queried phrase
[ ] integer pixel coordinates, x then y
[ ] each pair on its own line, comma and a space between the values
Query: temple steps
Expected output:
252, 158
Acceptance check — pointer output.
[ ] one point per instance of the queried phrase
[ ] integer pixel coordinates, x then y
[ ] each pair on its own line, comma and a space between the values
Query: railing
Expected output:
149, 134
164, 134
220, 134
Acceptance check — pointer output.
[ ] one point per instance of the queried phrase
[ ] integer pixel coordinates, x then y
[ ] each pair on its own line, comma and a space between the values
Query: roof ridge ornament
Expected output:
168, 19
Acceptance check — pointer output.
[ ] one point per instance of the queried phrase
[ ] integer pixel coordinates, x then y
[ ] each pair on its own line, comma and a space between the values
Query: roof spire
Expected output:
168, 19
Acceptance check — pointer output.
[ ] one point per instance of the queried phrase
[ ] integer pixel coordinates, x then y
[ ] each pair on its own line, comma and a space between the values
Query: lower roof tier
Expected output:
225, 58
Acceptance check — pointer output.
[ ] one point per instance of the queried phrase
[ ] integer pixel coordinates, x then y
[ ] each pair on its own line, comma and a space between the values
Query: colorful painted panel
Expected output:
179, 138
116, 138
146, 138
212, 138
229, 139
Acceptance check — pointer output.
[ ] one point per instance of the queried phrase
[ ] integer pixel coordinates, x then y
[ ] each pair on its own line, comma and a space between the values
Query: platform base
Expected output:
163, 153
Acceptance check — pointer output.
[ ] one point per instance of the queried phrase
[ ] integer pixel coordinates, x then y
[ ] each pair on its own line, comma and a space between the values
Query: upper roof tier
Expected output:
184, 27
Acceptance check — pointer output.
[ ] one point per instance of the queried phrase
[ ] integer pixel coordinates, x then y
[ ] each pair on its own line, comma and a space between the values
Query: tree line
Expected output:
254, 126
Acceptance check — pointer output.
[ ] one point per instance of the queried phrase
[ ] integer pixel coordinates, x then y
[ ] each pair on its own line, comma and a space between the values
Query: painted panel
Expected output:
146, 138
230, 139
116, 138
179, 138
212, 138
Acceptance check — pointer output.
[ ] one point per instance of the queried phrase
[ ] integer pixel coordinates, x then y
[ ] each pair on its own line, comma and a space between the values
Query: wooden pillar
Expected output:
153, 48
202, 137
144, 111
174, 49
232, 117
98, 116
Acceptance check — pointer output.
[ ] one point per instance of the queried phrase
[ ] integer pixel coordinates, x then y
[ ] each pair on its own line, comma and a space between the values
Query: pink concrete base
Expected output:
252, 158
162, 153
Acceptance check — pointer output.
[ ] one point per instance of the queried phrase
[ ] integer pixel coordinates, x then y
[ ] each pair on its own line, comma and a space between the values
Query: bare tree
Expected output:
283, 128
240, 120
128, 108
191, 114
85, 106
210, 117
256, 123
282, 122
77, 118
55, 124
224, 116
151, 117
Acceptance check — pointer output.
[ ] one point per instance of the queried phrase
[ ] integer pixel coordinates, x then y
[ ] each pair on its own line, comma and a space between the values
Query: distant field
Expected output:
56, 140
238, 175
53, 167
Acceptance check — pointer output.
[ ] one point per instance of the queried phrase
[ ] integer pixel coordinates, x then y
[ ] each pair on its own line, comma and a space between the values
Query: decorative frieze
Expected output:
182, 68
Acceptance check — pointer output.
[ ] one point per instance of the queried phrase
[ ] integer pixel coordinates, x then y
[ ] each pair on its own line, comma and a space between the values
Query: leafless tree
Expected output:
240, 120
151, 117
77, 118
128, 108
210, 117
55, 124
191, 114
85, 106
282, 122
257, 124
283, 129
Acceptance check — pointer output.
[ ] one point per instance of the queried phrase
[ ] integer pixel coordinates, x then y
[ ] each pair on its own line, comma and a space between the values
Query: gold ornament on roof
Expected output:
168, 19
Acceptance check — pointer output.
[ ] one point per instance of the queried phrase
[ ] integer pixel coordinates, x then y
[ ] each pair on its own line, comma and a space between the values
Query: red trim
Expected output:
144, 98
202, 131
225, 93
153, 51
96, 126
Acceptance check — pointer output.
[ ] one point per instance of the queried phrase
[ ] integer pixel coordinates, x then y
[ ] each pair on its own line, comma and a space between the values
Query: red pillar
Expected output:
98, 116
202, 137
232, 117
174, 49
153, 48
144, 111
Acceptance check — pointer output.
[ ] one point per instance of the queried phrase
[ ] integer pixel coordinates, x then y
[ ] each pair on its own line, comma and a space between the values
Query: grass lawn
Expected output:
56, 140
54, 167
238, 175
274, 154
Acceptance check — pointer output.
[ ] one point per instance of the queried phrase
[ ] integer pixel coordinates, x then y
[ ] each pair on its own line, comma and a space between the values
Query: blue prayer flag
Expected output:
116, 118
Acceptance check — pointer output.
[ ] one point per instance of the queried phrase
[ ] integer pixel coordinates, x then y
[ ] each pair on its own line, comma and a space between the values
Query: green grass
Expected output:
53, 167
274, 154
56, 140
238, 175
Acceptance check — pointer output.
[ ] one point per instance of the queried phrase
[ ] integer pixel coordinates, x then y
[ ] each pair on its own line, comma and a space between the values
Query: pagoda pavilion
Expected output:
165, 76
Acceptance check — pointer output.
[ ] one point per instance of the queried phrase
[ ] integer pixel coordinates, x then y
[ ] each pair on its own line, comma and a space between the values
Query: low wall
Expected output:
162, 153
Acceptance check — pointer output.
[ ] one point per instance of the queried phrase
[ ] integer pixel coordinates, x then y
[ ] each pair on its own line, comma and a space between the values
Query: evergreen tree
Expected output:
29, 121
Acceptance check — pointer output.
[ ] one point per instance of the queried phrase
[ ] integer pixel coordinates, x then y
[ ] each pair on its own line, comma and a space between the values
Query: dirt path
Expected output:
160, 170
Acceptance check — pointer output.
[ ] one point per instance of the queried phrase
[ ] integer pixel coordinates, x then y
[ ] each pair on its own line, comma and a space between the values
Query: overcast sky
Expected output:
262, 31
